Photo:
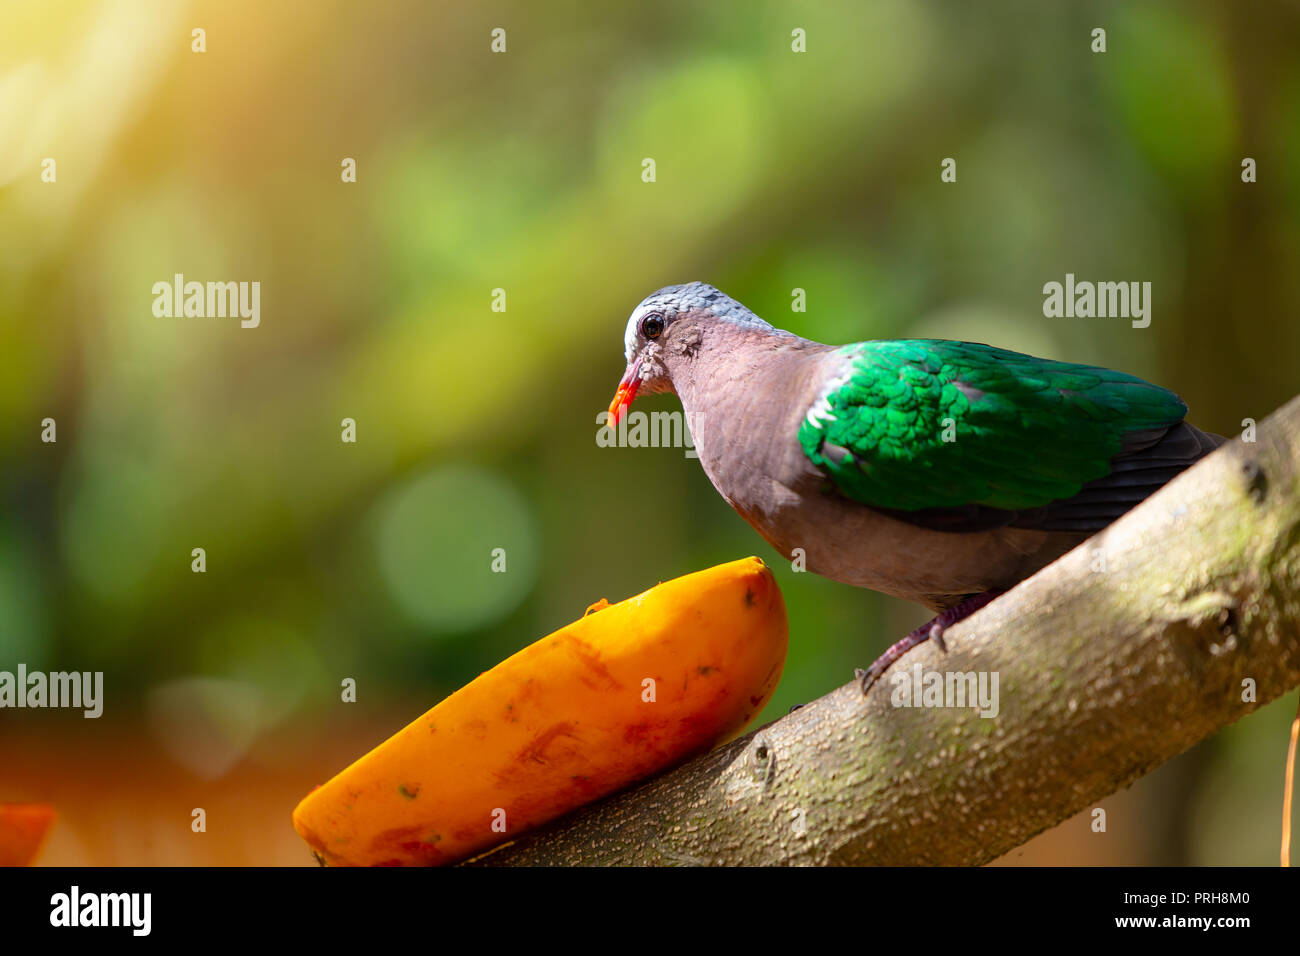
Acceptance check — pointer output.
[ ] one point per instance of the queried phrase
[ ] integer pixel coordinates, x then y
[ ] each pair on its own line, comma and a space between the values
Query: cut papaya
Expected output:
627, 690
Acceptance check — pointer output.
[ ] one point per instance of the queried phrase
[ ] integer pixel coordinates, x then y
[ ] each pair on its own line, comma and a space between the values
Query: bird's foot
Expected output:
930, 631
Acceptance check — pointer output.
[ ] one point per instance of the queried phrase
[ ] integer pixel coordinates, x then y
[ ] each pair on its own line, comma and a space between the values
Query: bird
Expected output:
938, 471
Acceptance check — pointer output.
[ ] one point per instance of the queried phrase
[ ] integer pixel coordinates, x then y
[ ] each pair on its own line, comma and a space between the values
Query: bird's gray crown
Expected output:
675, 299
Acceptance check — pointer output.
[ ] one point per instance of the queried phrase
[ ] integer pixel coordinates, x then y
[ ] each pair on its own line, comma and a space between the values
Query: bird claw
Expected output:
869, 676
866, 677
936, 637
932, 631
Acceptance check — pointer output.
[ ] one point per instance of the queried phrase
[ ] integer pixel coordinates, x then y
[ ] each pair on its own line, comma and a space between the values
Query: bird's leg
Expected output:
930, 631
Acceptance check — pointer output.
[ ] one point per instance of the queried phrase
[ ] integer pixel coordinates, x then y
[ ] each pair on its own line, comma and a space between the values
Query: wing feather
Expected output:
965, 436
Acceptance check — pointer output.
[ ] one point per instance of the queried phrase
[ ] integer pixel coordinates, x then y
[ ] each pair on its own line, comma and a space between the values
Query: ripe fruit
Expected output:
624, 692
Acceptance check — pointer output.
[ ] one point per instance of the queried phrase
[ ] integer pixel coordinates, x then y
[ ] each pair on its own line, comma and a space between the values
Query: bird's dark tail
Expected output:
1209, 440
1148, 460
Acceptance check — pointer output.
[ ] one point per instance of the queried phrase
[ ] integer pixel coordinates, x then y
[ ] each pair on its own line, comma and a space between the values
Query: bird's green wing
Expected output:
920, 424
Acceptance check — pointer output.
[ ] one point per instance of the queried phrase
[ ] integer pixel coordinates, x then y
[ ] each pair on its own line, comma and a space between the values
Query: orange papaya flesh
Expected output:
622, 693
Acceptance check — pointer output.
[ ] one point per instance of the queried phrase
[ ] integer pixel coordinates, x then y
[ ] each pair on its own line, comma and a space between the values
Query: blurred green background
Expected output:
476, 429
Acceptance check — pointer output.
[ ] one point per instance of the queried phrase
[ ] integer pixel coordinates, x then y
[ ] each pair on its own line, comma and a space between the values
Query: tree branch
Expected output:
1103, 676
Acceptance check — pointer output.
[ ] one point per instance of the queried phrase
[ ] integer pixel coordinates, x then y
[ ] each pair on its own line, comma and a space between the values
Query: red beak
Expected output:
626, 392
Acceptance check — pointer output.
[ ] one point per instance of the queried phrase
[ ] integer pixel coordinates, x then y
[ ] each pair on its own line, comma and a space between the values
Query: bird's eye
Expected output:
652, 325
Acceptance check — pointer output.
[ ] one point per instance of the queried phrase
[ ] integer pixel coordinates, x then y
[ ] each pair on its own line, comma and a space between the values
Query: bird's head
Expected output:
667, 328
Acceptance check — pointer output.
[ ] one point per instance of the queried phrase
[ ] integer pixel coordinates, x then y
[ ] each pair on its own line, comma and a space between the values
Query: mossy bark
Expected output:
1175, 621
